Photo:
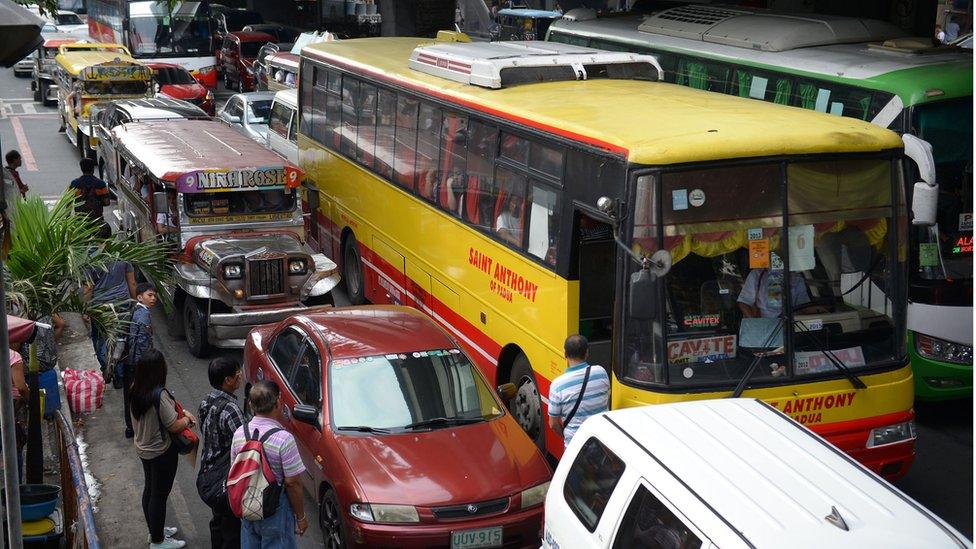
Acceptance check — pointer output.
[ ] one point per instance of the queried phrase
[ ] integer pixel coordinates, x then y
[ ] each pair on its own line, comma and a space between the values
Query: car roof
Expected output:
378, 329
251, 97
252, 36
170, 150
770, 479
160, 107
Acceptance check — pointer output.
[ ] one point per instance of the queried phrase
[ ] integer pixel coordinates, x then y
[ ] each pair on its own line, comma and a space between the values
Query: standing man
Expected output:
582, 391
116, 285
220, 416
280, 530
14, 161
92, 191
140, 341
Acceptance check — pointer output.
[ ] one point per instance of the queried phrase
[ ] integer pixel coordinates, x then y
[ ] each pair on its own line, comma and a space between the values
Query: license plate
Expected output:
482, 537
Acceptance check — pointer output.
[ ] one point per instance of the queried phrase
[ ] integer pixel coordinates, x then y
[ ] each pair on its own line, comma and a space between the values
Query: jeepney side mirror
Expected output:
507, 391
160, 204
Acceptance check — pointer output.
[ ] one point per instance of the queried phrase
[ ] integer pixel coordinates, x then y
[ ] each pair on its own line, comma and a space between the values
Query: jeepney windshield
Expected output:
750, 281
115, 87
945, 251
243, 203
155, 32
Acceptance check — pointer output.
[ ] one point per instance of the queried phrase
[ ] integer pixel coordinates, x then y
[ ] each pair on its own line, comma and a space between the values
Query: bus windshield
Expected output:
945, 251
239, 203
749, 282
156, 33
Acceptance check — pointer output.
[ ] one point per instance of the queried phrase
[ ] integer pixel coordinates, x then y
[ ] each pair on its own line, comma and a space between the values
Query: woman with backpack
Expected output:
155, 420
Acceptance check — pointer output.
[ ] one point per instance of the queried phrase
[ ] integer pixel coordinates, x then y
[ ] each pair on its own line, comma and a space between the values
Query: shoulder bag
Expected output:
586, 377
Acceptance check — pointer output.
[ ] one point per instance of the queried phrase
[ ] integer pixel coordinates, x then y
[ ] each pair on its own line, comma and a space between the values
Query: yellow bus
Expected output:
519, 193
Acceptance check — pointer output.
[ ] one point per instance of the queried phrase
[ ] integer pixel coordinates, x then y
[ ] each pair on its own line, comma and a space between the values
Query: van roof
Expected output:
288, 97
774, 481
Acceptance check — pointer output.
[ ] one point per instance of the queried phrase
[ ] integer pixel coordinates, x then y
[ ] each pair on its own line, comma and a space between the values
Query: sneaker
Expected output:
168, 543
168, 532
129, 433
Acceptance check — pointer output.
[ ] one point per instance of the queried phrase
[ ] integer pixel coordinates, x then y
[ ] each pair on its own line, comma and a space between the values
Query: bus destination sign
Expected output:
209, 181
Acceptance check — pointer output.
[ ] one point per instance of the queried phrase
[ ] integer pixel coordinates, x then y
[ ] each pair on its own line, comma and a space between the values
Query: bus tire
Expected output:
352, 271
526, 406
195, 327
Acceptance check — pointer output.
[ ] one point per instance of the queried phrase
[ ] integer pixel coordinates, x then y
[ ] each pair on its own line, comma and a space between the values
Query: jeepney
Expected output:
89, 73
43, 65
281, 71
231, 208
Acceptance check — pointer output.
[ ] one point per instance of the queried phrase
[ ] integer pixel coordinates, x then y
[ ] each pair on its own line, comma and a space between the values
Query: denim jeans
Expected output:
98, 343
274, 532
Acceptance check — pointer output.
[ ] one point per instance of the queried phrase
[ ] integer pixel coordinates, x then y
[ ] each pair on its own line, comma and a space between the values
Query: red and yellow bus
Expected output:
509, 191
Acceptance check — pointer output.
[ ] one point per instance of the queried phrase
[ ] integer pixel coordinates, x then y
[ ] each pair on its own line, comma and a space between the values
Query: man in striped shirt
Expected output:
565, 390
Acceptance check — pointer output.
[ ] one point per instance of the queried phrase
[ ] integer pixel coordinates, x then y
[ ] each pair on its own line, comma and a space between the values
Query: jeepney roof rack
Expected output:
765, 30
498, 65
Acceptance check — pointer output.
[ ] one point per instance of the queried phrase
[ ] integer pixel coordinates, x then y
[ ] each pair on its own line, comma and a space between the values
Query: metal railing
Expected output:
79, 518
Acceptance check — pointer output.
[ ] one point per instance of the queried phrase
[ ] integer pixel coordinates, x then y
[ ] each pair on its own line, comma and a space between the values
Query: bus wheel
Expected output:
352, 271
195, 327
526, 407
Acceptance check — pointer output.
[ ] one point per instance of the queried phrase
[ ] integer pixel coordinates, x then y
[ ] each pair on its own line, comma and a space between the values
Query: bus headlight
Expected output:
379, 512
942, 350
535, 495
891, 434
233, 271
297, 266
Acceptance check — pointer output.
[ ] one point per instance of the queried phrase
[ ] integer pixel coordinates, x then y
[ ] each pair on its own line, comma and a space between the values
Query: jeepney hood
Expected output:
210, 251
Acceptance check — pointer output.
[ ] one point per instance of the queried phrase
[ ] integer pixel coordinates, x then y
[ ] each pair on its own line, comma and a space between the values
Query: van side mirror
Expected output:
306, 413
507, 391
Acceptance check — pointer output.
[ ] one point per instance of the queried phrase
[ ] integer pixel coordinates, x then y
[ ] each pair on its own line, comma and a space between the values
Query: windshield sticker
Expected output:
759, 254
702, 321
963, 245
801, 248
928, 254
696, 198
704, 350
837, 108
812, 325
775, 261
391, 357
261, 178
811, 362
823, 97
757, 88
965, 222
755, 234
679, 199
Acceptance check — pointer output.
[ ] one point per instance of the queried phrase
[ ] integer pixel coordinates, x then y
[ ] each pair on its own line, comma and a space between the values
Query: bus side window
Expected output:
702, 75
765, 87
544, 217
405, 150
568, 39
454, 151
428, 150
385, 118
608, 45
366, 127
350, 116
510, 206
333, 107
833, 99
308, 96
479, 205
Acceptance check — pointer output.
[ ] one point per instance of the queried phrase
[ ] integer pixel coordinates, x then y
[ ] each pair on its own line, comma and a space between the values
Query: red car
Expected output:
176, 82
405, 442
237, 57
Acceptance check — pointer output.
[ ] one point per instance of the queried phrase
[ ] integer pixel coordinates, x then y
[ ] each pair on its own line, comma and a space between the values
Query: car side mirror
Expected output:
306, 413
507, 391
233, 119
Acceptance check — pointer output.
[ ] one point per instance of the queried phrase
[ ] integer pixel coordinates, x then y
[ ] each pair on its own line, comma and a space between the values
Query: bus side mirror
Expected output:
642, 295
925, 201
507, 391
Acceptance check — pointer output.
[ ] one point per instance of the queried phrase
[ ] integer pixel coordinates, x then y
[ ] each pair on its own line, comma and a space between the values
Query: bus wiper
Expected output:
444, 421
831, 357
363, 429
741, 386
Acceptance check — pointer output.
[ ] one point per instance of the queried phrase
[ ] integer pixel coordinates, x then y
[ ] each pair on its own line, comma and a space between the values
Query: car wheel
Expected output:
352, 271
331, 521
195, 327
526, 407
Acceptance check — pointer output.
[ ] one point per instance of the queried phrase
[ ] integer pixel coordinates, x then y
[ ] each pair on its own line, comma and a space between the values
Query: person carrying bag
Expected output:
580, 392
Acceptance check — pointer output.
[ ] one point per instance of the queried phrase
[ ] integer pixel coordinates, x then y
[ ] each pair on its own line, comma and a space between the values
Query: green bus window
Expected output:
608, 45
385, 118
350, 118
568, 39
479, 203
807, 96
544, 223
784, 89
454, 152
428, 151
405, 150
366, 127
702, 76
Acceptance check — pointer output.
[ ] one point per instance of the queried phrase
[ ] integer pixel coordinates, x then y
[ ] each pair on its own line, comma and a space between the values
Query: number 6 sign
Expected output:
801, 248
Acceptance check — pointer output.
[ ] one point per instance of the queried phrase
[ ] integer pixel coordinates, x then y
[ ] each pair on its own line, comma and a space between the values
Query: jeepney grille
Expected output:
266, 277
465, 510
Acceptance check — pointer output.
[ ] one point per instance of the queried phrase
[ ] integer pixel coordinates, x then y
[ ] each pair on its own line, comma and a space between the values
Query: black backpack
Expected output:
91, 203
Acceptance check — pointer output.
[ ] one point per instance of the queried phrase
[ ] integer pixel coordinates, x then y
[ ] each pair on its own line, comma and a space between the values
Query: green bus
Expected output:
860, 68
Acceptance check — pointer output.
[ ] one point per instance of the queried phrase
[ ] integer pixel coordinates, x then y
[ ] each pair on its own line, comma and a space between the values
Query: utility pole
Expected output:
11, 480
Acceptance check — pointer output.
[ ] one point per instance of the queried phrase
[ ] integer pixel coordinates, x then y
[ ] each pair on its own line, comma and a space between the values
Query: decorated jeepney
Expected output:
87, 73
232, 211
43, 65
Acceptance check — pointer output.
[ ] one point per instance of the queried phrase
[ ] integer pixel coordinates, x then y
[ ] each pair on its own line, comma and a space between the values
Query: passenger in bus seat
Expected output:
508, 223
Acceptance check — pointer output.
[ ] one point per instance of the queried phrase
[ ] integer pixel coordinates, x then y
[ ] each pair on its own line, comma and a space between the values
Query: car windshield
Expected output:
173, 76
748, 281
156, 33
270, 201
945, 251
249, 50
69, 19
428, 389
258, 111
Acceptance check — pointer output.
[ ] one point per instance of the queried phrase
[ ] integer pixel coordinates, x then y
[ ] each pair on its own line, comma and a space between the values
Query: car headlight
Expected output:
209, 96
297, 266
942, 350
381, 512
234, 270
890, 434
535, 495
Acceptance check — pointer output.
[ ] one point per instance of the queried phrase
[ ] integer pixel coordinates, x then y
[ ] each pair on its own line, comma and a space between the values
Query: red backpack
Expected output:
252, 490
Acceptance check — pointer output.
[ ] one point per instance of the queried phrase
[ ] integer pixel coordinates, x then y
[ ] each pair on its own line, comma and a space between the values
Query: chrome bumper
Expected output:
230, 329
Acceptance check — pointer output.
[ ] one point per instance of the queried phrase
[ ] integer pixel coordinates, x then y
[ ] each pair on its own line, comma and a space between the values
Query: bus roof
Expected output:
873, 66
75, 61
646, 122
182, 146
773, 481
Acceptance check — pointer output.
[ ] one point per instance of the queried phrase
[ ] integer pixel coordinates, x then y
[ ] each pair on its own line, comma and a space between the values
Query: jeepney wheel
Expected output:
352, 271
38, 95
331, 521
526, 407
174, 320
195, 328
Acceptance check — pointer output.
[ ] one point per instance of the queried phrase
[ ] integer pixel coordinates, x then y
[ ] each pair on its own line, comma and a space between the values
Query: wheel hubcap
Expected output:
191, 327
526, 407
330, 524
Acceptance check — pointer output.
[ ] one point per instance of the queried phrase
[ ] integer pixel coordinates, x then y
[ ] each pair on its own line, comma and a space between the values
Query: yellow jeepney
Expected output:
93, 72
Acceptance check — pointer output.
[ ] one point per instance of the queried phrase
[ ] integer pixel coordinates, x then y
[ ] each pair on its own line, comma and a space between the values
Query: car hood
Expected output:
456, 465
184, 91
259, 131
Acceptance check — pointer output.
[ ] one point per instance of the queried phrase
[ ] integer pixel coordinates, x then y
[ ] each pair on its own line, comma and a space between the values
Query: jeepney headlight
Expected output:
535, 495
379, 512
891, 434
297, 266
944, 351
234, 270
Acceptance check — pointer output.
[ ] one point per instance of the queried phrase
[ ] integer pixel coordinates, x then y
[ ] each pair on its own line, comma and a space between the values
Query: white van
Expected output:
724, 473
283, 124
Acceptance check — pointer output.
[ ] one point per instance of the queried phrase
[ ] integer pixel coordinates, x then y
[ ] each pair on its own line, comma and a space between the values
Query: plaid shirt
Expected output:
220, 416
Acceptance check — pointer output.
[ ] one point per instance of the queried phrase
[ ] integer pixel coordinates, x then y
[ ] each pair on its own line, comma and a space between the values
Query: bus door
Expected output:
595, 260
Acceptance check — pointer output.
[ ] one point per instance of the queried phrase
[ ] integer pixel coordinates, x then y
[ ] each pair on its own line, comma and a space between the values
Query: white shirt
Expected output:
510, 223
763, 289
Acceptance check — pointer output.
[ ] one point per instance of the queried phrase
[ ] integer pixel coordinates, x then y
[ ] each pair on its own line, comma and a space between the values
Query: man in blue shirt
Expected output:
140, 340
566, 390
91, 191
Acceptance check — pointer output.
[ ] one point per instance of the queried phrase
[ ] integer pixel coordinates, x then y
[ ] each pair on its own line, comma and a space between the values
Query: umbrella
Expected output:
19, 329
20, 32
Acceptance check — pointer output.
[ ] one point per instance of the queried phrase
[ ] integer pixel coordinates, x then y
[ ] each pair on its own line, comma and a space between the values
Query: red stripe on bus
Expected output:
600, 144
